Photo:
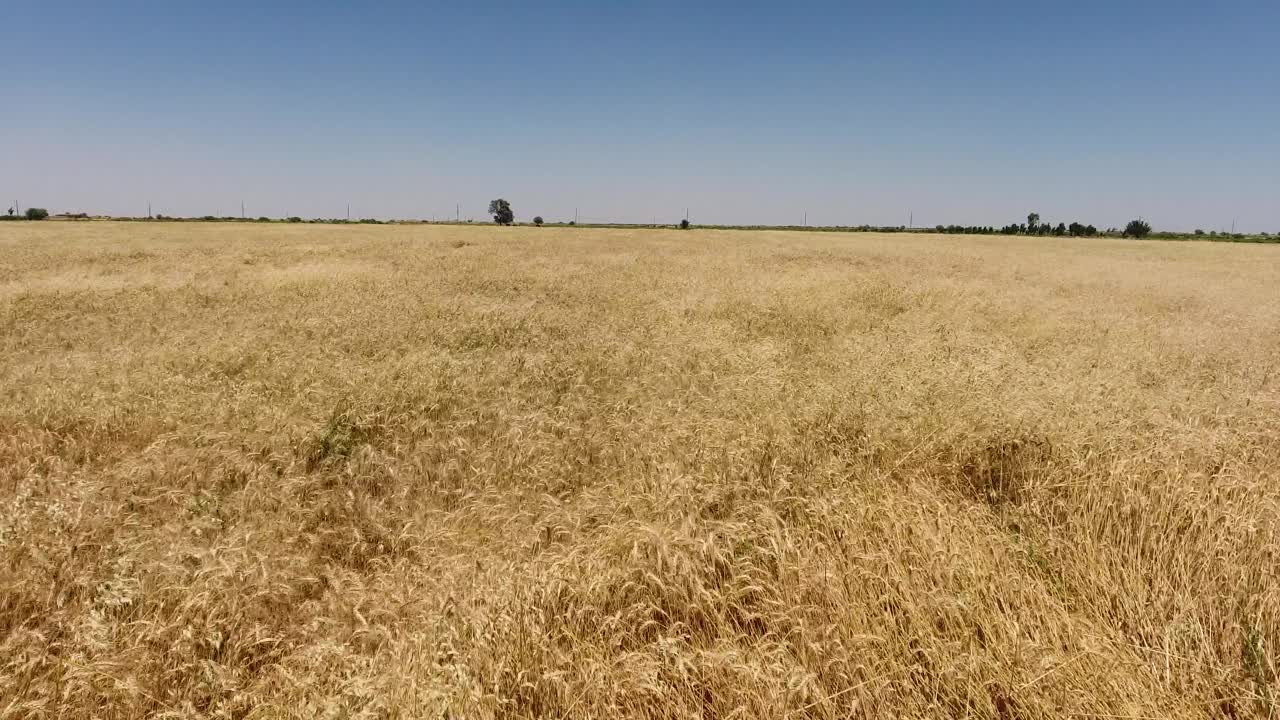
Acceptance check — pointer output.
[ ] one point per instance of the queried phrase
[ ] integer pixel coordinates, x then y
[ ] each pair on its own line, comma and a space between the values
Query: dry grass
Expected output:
300, 471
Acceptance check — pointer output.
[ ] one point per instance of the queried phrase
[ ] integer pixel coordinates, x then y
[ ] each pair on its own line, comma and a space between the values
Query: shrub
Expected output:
37, 214
1137, 228
684, 224
295, 218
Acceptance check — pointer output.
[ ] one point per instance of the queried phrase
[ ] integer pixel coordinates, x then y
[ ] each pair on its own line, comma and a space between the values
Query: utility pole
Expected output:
241, 209
148, 209
911, 219
806, 218
348, 212
457, 212
1233, 226
575, 216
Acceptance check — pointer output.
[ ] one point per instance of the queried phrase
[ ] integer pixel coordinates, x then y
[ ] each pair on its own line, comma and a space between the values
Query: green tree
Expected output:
684, 224
1138, 228
501, 211
1033, 222
37, 213
537, 220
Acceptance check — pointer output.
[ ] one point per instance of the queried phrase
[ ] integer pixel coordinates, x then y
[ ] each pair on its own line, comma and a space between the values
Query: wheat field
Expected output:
300, 471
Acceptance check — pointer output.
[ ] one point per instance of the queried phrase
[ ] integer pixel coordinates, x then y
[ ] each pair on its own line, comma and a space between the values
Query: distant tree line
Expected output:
1137, 228
1032, 226
1061, 229
502, 213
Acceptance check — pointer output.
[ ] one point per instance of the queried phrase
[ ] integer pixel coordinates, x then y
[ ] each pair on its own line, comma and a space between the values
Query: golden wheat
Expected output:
410, 471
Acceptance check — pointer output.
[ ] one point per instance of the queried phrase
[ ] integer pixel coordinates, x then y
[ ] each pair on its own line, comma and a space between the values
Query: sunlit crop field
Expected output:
472, 472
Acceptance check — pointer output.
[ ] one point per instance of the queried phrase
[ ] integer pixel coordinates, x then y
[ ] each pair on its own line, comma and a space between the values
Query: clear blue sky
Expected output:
973, 112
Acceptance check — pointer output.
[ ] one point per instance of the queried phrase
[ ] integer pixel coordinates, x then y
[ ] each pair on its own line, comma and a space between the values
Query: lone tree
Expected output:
501, 211
684, 224
537, 220
37, 213
1137, 228
1033, 222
